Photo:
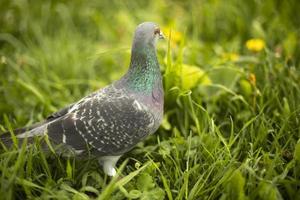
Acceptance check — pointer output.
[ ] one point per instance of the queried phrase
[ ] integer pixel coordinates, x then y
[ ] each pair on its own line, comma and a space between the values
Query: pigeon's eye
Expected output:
156, 31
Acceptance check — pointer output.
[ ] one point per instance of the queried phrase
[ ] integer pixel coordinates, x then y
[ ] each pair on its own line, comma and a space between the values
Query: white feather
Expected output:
38, 131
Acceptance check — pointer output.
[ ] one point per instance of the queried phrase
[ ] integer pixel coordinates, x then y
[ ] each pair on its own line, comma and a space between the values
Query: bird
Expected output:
112, 120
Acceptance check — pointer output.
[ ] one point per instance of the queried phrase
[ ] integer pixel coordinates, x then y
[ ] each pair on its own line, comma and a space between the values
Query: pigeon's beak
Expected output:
161, 35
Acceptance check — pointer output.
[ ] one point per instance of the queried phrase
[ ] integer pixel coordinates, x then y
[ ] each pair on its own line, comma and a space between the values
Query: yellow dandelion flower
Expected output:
176, 36
255, 44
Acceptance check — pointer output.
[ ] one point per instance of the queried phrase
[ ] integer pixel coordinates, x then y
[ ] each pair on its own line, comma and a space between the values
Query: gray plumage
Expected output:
113, 120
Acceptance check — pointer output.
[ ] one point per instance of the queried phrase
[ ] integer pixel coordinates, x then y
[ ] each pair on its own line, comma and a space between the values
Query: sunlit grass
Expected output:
232, 115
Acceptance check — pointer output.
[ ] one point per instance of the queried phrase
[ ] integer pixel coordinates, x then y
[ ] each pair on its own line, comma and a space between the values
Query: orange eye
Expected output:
156, 31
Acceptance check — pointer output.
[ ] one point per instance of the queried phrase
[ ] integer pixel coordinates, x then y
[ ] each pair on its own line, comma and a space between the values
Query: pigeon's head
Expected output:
147, 33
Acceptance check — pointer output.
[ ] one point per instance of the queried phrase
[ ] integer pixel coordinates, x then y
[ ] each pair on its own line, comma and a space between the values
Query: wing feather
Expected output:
110, 122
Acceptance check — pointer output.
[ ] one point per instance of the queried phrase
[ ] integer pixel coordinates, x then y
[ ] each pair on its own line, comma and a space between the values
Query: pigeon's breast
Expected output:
154, 103
158, 105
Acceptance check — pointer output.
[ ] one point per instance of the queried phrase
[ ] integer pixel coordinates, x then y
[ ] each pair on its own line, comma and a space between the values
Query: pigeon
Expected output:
112, 120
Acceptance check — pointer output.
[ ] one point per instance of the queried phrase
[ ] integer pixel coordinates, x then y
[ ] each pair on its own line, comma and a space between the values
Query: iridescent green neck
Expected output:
144, 73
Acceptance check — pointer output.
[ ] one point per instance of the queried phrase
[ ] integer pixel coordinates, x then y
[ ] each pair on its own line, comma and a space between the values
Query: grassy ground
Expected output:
232, 116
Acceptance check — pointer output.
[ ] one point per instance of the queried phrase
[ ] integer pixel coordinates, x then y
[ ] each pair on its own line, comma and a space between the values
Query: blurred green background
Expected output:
231, 79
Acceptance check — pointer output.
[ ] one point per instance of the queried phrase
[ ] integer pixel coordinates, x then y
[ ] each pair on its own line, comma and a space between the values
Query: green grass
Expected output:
233, 133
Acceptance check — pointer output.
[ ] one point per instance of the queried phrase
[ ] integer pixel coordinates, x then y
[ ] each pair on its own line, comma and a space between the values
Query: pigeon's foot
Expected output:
108, 163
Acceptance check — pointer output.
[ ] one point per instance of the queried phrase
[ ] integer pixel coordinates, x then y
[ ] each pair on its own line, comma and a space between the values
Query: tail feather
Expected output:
25, 132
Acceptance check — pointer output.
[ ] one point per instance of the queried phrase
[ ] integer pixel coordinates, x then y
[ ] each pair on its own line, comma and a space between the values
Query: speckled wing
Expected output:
69, 108
110, 122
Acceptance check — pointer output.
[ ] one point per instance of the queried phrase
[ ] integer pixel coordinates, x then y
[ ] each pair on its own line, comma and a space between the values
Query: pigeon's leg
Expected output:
108, 163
